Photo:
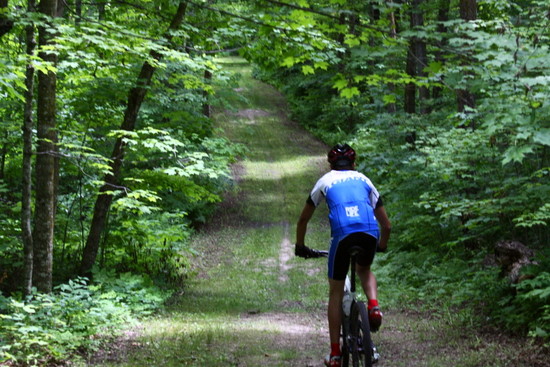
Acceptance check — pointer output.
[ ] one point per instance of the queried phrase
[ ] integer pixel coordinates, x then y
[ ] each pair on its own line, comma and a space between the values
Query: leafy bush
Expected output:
533, 304
526, 307
49, 327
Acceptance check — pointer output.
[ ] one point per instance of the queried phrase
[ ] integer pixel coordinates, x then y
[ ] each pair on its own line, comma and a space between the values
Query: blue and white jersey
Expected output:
351, 198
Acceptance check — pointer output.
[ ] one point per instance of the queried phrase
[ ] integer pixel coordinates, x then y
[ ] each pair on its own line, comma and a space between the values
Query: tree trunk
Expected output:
78, 11
466, 99
206, 108
6, 24
392, 108
111, 181
468, 9
3, 154
410, 88
442, 16
44, 220
416, 61
100, 10
26, 194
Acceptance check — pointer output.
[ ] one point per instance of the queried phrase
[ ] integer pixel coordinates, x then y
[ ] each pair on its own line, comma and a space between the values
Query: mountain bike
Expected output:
357, 345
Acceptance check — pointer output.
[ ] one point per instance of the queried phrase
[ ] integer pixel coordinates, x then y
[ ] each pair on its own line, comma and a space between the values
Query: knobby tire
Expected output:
360, 338
345, 340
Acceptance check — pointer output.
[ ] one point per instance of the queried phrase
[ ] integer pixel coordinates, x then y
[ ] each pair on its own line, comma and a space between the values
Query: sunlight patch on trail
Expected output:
285, 254
264, 170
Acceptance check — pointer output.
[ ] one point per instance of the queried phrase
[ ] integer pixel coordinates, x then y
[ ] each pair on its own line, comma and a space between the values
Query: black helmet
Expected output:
341, 155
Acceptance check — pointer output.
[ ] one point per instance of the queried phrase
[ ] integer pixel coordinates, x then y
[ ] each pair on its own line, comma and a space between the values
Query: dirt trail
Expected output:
252, 302
294, 336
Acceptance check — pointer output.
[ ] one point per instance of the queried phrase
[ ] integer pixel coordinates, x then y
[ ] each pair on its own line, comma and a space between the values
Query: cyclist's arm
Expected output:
385, 227
301, 227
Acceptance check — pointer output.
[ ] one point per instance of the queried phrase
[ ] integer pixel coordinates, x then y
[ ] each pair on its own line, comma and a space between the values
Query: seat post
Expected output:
352, 276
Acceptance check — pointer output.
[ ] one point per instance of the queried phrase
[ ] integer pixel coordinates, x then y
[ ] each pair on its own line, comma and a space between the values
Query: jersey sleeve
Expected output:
374, 195
316, 195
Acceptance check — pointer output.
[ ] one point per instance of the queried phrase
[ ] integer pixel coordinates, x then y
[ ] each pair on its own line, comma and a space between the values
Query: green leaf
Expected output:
307, 69
389, 99
349, 92
340, 84
516, 153
352, 41
542, 137
323, 65
434, 67
289, 62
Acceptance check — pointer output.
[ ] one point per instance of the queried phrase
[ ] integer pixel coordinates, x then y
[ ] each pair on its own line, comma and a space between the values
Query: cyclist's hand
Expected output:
303, 251
306, 252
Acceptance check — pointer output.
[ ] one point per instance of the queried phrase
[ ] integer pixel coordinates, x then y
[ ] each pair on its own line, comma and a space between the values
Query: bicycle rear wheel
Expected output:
360, 342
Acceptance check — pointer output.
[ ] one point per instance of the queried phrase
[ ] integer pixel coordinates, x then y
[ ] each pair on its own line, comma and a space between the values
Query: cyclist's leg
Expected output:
362, 268
338, 265
368, 281
336, 293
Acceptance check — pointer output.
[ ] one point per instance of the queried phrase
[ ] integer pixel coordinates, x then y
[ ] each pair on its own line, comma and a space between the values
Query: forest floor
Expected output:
252, 303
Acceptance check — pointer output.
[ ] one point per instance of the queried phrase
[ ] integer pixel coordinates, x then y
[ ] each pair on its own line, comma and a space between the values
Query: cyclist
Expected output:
357, 218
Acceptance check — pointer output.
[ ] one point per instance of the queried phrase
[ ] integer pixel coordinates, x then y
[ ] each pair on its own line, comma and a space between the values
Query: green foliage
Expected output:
453, 182
526, 308
533, 304
174, 168
42, 328
455, 281
440, 280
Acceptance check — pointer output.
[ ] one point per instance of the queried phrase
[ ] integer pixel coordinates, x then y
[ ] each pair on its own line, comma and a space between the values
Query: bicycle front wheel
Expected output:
360, 342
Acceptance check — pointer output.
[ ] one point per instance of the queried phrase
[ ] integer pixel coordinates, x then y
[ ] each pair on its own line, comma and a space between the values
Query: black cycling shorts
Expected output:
339, 259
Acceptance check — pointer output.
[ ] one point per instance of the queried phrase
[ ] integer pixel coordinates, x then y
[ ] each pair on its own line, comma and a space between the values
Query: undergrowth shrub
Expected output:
526, 309
451, 199
43, 328
445, 279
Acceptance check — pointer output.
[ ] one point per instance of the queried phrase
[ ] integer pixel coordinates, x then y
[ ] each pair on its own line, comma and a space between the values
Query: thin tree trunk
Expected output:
340, 39
392, 108
44, 220
101, 10
465, 98
416, 60
26, 195
410, 88
3, 154
111, 181
206, 108
442, 16
60, 12
78, 11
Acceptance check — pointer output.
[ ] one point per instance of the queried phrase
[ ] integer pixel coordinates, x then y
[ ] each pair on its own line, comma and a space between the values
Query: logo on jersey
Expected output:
352, 211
